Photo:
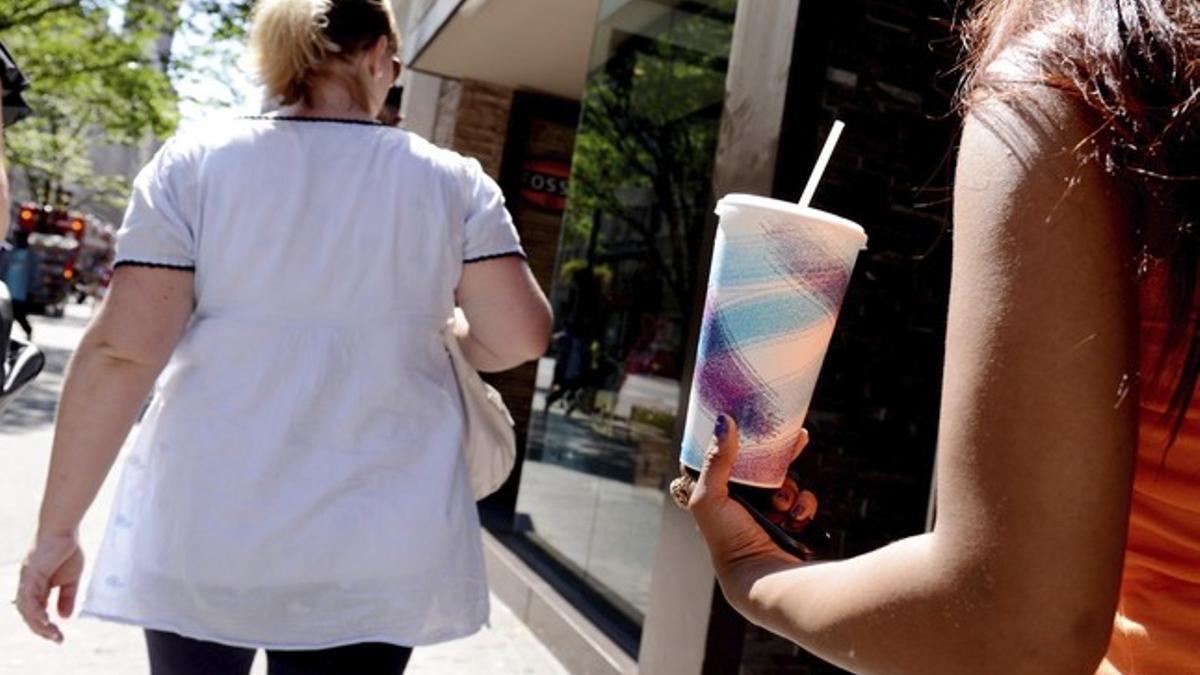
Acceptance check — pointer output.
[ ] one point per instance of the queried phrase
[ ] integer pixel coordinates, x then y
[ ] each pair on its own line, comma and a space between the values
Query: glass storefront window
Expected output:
602, 444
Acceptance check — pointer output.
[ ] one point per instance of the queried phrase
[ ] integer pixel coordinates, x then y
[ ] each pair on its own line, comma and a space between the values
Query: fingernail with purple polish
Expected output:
722, 427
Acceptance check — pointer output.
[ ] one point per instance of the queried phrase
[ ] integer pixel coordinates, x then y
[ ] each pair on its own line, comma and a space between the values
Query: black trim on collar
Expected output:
297, 118
156, 265
509, 254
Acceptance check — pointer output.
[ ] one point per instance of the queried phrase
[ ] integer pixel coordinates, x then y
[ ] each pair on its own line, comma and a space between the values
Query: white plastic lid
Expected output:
742, 200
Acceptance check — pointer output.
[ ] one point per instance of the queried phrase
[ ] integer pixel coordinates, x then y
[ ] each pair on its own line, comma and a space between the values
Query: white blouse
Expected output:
297, 481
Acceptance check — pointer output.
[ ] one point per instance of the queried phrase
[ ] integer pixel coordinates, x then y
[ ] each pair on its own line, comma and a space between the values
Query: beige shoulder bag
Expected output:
489, 442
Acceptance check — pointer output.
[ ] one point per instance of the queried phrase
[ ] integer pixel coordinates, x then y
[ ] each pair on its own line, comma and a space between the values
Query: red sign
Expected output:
544, 183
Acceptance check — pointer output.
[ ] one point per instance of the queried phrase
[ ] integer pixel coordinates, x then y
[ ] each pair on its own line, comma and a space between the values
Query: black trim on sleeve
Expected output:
164, 266
509, 254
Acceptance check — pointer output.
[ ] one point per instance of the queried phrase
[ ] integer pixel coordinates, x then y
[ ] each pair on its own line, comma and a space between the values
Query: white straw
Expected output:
822, 162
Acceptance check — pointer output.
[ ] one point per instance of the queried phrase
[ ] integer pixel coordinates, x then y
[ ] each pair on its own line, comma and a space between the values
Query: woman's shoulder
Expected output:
226, 139
1016, 98
444, 159
193, 139
1023, 61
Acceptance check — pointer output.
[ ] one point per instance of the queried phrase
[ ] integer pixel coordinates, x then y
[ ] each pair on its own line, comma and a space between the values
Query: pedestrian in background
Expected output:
390, 115
19, 270
297, 484
1068, 499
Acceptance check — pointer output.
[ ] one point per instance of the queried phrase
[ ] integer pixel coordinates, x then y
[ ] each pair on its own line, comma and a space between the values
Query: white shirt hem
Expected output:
395, 639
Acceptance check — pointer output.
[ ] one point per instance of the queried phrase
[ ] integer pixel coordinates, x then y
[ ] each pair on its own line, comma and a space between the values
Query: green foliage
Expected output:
661, 420
102, 76
230, 18
602, 273
99, 78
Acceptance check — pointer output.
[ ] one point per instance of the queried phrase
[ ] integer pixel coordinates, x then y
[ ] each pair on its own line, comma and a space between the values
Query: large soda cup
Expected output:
778, 276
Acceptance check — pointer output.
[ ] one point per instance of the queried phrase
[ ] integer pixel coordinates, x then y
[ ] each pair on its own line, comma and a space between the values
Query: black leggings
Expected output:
21, 314
172, 654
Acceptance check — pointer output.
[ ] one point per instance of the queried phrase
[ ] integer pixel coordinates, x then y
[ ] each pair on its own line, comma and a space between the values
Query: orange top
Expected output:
1157, 627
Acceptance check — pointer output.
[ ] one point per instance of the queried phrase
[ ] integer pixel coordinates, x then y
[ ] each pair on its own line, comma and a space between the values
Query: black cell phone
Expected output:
807, 541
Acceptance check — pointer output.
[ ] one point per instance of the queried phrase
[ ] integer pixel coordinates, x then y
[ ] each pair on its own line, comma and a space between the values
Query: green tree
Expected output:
99, 78
102, 76
230, 18
645, 146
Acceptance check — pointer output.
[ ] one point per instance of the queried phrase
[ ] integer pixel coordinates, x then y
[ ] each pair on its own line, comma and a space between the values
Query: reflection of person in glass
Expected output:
652, 353
1076, 252
574, 366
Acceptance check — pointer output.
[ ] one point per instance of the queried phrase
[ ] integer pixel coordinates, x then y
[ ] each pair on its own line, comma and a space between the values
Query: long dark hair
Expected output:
1135, 64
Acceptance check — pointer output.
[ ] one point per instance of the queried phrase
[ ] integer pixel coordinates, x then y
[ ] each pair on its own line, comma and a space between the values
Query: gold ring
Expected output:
681, 491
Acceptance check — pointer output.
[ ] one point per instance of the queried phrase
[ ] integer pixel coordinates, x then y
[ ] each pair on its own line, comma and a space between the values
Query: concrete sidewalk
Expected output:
98, 648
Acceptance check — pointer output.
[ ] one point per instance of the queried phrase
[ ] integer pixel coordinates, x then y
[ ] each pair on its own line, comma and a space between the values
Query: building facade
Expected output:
613, 126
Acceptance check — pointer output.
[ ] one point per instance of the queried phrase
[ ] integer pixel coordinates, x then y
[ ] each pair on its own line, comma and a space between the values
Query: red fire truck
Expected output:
75, 252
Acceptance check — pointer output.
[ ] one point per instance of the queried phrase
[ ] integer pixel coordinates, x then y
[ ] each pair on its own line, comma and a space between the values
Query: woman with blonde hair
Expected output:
297, 484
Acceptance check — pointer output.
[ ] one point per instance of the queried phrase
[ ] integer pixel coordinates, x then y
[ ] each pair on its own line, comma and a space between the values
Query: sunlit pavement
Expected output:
99, 648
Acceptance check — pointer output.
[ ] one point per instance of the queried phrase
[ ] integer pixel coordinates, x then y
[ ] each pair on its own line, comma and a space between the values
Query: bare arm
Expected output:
108, 380
1036, 446
507, 311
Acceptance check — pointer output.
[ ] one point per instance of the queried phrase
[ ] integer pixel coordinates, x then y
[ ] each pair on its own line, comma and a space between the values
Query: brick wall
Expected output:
885, 67
481, 127
881, 66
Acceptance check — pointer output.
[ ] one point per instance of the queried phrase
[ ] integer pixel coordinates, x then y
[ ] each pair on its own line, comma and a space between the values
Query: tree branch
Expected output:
33, 16
110, 65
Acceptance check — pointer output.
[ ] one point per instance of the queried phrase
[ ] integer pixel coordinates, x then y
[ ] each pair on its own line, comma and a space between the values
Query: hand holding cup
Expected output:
735, 540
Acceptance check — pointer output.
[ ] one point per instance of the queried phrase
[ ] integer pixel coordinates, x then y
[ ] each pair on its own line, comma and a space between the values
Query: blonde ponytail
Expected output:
288, 44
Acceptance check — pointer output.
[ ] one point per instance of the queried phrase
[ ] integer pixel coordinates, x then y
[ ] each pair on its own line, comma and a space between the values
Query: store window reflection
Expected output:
601, 447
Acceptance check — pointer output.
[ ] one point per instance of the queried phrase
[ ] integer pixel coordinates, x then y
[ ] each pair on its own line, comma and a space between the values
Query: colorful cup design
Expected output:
777, 280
